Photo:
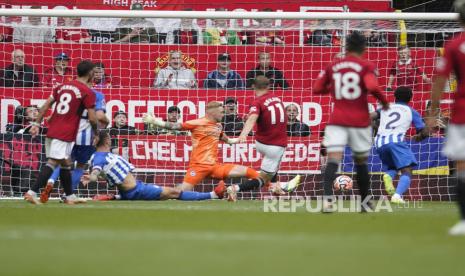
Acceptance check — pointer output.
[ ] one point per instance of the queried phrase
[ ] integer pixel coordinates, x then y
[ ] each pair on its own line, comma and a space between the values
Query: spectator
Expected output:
188, 33
220, 33
59, 73
71, 33
264, 68
6, 31
267, 34
175, 75
18, 74
405, 71
135, 30
232, 122
173, 115
376, 39
165, 28
33, 32
294, 126
18, 120
224, 77
23, 118
102, 80
121, 127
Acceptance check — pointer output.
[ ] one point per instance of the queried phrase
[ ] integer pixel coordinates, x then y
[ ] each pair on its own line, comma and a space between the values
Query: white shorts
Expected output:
454, 148
57, 149
271, 157
359, 139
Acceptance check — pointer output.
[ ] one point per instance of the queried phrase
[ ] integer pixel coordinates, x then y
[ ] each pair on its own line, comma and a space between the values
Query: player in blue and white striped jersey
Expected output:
83, 148
118, 172
390, 141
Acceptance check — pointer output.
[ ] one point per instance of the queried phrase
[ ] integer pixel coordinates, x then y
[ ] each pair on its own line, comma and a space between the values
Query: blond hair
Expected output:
214, 104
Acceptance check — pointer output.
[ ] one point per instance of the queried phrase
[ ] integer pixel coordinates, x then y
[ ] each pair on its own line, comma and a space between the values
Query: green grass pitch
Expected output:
222, 238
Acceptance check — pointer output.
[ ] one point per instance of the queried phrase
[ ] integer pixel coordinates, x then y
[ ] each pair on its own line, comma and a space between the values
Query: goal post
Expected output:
134, 47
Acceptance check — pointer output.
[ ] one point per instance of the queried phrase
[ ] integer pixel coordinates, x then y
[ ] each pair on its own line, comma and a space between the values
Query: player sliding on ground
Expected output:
118, 172
454, 148
391, 147
206, 134
349, 80
267, 112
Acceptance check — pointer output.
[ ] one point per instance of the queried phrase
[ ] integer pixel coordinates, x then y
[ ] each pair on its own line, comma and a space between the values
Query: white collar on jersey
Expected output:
405, 63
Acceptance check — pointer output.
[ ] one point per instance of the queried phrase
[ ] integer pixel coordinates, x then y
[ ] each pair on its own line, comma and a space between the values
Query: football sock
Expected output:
404, 183
76, 177
328, 179
392, 173
275, 178
55, 175
186, 195
251, 184
461, 195
45, 172
65, 180
363, 180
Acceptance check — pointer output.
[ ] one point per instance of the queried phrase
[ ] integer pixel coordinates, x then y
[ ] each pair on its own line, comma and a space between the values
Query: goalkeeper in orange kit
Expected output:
206, 134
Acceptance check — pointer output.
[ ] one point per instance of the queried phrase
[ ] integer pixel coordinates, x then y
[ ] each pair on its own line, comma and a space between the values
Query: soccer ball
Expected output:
343, 183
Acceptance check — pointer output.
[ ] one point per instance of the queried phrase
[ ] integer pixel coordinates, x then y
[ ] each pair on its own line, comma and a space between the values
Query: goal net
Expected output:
139, 59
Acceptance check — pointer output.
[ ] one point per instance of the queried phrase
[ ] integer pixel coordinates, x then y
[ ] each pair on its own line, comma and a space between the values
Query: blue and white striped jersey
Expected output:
84, 135
395, 122
115, 167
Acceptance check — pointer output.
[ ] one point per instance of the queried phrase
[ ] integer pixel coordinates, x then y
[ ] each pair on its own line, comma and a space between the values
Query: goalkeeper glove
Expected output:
149, 119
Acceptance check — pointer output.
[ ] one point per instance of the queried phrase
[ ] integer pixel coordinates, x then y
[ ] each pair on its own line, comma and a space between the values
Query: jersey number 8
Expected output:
347, 85
63, 104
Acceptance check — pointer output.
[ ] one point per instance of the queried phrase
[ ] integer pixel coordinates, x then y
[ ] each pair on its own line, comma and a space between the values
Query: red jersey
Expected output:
71, 99
349, 80
272, 120
406, 73
72, 34
454, 61
53, 79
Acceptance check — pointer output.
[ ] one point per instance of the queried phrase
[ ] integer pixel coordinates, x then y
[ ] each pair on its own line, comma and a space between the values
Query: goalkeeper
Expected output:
118, 172
206, 134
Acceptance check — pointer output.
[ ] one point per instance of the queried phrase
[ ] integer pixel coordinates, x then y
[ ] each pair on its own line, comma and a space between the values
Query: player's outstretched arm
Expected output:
102, 118
248, 126
372, 86
150, 119
93, 120
229, 140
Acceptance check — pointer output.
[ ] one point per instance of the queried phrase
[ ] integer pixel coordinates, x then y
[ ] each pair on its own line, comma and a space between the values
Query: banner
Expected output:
162, 153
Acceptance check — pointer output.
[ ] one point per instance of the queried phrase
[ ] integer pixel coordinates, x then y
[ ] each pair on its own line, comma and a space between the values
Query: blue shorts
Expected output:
142, 191
82, 153
396, 156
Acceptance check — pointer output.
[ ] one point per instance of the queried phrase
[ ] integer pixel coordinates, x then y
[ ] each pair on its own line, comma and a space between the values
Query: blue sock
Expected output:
404, 183
55, 175
185, 195
392, 173
76, 177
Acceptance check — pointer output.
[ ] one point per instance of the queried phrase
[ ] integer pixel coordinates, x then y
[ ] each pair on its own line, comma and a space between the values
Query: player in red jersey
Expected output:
349, 80
71, 99
454, 148
267, 111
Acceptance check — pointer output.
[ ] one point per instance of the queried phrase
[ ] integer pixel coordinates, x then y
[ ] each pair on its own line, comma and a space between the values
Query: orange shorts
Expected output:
197, 173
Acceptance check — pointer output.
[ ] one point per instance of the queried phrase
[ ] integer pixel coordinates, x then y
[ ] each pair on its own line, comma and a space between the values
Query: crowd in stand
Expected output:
174, 31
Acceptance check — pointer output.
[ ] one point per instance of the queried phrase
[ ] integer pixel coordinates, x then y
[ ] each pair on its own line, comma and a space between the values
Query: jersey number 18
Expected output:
347, 86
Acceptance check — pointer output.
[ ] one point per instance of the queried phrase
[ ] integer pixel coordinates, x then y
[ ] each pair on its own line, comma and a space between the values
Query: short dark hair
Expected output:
102, 136
261, 82
84, 68
403, 94
356, 43
120, 112
100, 64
